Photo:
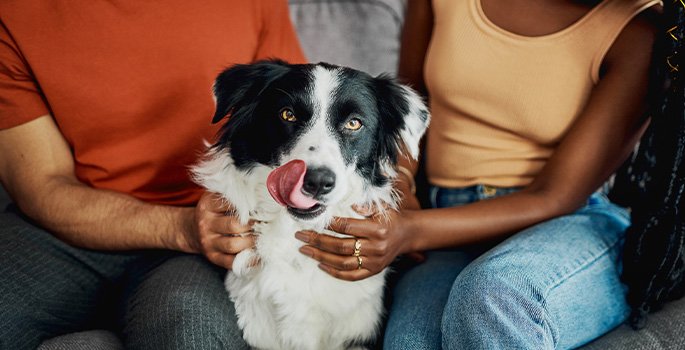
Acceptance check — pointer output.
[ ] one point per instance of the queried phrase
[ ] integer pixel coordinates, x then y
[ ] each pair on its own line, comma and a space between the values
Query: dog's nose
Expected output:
318, 182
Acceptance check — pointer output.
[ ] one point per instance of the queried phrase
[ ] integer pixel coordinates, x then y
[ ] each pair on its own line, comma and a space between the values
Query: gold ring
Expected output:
357, 248
359, 262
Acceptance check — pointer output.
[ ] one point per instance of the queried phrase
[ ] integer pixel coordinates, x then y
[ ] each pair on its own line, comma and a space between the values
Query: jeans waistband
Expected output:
442, 197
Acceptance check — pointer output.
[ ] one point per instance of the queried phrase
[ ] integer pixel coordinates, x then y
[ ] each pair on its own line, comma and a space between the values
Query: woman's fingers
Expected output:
349, 268
340, 262
366, 228
375, 243
341, 246
349, 259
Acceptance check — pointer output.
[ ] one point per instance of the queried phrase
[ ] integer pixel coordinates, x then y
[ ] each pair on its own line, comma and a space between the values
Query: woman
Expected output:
531, 115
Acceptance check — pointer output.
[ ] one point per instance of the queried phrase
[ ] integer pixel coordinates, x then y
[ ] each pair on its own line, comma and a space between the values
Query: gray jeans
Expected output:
152, 299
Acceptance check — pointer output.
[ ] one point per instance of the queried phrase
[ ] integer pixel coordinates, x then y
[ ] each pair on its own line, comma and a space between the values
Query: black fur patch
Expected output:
252, 97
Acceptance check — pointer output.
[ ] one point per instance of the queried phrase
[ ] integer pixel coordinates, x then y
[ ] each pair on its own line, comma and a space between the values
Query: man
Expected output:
103, 107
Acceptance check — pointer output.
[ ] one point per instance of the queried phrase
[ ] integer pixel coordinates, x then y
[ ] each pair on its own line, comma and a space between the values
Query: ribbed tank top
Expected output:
501, 102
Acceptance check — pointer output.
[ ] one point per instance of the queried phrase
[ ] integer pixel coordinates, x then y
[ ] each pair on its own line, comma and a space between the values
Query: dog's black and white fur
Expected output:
285, 301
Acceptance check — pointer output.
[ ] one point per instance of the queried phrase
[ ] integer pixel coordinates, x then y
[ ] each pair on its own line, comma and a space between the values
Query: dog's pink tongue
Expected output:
285, 185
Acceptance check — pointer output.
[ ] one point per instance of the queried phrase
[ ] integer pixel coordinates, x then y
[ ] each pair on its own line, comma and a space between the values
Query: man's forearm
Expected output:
107, 220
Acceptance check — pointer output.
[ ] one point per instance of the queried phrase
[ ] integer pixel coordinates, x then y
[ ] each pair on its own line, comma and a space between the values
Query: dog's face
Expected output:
325, 129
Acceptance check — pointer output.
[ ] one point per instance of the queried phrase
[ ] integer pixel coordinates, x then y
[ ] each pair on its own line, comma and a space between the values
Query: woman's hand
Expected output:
381, 239
217, 232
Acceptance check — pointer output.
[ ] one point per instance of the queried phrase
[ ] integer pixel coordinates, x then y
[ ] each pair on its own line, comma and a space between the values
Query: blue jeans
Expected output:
555, 285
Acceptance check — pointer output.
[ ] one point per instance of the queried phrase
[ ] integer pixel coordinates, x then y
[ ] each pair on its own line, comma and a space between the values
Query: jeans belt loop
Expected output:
489, 191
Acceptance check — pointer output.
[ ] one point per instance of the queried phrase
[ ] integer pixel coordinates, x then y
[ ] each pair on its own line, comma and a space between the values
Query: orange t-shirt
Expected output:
129, 82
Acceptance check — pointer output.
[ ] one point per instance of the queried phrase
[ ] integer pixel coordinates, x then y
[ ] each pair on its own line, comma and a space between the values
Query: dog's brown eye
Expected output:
353, 124
288, 115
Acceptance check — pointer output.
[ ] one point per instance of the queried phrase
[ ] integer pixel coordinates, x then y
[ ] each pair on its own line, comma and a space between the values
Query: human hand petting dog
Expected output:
218, 233
377, 240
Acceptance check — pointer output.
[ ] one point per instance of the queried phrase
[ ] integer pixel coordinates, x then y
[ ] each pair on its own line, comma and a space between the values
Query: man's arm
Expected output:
37, 168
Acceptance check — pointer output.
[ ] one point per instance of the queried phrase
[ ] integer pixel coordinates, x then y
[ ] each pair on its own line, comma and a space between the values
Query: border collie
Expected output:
302, 144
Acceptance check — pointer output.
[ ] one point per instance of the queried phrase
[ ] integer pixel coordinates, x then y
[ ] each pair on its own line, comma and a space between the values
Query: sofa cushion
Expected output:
360, 34
88, 340
665, 330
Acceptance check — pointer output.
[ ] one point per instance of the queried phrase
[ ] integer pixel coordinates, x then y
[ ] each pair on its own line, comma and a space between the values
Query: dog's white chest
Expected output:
287, 302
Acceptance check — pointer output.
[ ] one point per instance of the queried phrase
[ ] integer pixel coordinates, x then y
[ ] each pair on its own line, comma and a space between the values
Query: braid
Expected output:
654, 182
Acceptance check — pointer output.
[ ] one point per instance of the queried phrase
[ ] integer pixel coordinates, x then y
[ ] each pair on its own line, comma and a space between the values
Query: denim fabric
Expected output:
555, 285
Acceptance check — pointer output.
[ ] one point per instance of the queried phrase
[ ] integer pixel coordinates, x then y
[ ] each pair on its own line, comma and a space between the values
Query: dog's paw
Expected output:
246, 262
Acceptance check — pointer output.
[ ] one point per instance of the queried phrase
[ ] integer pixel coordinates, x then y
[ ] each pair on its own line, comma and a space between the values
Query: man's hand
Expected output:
218, 234
37, 168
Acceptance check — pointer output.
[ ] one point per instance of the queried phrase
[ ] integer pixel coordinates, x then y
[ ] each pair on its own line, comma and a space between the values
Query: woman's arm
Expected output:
598, 142
416, 35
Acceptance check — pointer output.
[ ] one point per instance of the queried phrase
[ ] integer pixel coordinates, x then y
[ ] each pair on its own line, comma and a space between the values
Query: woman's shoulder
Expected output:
633, 46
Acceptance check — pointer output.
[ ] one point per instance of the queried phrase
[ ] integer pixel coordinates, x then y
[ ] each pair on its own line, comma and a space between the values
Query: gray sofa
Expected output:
365, 34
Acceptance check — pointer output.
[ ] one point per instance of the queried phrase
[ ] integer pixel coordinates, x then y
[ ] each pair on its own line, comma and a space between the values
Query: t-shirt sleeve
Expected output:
20, 98
278, 38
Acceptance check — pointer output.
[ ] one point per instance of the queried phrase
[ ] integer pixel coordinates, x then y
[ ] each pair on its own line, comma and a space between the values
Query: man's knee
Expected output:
46, 287
19, 329
190, 311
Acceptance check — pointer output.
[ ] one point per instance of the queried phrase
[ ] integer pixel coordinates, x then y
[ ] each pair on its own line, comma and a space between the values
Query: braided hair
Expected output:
653, 181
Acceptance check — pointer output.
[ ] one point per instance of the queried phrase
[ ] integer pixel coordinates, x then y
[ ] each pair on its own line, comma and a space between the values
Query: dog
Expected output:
302, 144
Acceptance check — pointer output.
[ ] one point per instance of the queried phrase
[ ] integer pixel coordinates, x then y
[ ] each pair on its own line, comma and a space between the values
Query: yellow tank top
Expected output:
502, 102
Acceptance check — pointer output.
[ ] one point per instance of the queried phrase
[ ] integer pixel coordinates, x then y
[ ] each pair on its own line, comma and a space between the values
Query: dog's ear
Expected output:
238, 87
404, 119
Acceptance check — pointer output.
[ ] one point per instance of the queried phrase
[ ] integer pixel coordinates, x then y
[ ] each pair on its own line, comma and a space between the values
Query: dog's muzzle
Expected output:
300, 189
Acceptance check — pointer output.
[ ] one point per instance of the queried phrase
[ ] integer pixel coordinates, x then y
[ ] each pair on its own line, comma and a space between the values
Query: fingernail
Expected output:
306, 251
302, 236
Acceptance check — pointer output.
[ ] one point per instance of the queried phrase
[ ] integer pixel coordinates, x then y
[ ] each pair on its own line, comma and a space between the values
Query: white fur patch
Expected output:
416, 122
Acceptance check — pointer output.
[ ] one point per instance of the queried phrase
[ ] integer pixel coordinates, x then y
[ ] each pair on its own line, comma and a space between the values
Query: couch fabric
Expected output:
665, 330
364, 34
87, 340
